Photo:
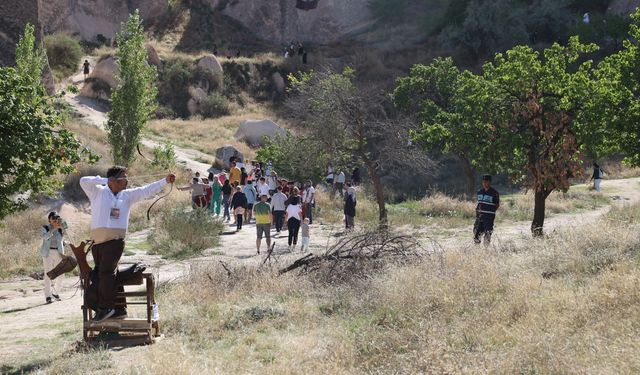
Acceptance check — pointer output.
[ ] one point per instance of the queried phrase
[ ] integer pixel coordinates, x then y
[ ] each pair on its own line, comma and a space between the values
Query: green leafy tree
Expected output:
529, 115
34, 144
134, 100
295, 158
30, 60
541, 117
488, 26
620, 74
349, 122
439, 94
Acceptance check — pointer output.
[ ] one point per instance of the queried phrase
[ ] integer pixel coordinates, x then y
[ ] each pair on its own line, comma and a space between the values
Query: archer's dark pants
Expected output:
483, 225
106, 256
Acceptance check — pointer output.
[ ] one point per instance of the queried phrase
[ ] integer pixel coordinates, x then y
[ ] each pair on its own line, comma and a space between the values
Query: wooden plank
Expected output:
119, 324
124, 341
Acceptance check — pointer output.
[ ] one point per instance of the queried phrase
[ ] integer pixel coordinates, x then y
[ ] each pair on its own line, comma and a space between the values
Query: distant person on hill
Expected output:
264, 218
596, 177
350, 207
305, 59
488, 204
85, 69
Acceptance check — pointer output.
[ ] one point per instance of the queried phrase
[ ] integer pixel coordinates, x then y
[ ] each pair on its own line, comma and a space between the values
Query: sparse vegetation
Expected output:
183, 233
498, 310
214, 105
64, 53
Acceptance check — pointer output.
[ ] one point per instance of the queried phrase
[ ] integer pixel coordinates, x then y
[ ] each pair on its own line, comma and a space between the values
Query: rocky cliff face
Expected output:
88, 18
281, 22
623, 7
14, 14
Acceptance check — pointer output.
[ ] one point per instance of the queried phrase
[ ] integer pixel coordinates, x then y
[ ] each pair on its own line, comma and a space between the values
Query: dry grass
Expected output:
486, 310
444, 211
206, 135
20, 238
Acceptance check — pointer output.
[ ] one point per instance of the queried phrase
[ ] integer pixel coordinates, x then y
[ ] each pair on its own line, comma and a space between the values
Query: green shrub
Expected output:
64, 53
214, 105
164, 112
164, 156
183, 233
173, 90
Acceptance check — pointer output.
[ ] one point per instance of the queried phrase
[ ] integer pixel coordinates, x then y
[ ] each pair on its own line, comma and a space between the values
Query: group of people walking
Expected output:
255, 192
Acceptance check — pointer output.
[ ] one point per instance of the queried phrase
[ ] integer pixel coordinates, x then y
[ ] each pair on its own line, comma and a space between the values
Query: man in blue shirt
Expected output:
252, 196
488, 203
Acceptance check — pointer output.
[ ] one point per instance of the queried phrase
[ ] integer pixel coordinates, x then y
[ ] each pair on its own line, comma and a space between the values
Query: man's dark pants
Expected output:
106, 257
483, 225
279, 219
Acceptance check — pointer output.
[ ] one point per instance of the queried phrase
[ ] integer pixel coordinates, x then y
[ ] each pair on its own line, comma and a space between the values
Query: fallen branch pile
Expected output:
355, 252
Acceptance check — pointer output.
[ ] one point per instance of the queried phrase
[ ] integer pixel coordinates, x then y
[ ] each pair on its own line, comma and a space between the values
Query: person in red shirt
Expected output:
208, 192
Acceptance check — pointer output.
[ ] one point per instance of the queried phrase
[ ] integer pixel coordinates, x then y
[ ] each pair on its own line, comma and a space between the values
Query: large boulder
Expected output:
210, 63
254, 131
192, 106
278, 83
197, 93
105, 70
225, 153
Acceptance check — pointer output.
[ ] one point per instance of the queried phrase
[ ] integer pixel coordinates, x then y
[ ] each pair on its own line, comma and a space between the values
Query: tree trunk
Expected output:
379, 189
470, 174
538, 213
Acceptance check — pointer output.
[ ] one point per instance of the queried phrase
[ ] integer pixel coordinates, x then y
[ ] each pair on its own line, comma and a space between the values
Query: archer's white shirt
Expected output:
103, 201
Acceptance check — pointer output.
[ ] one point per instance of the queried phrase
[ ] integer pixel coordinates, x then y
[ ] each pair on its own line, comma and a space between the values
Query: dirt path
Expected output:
94, 113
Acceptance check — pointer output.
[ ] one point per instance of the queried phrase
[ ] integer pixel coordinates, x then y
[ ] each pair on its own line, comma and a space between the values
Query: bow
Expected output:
162, 197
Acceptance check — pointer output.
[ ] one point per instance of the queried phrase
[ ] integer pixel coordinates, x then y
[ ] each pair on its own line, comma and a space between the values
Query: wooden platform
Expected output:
127, 331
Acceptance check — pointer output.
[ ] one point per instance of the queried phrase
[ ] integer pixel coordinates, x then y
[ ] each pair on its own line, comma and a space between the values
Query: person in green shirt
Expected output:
216, 201
262, 214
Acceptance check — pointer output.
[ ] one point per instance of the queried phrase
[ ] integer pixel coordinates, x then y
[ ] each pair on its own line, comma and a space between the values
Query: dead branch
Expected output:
363, 247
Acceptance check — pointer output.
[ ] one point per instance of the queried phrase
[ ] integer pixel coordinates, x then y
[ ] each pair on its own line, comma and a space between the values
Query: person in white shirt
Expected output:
293, 218
278, 203
339, 186
263, 187
110, 208
309, 200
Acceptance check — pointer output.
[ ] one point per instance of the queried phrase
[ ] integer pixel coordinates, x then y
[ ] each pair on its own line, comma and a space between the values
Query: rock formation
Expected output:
281, 22
253, 132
